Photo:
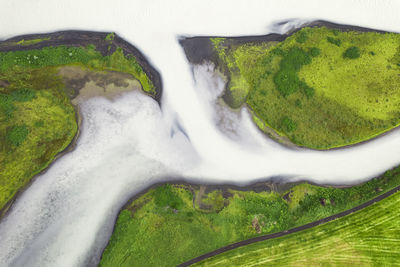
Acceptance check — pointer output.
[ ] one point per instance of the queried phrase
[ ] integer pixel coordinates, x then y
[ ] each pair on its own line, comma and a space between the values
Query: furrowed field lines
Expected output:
364, 238
209, 219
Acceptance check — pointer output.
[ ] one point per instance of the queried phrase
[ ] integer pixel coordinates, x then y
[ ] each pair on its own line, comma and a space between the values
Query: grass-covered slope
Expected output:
37, 118
37, 121
171, 224
369, 237
321, 88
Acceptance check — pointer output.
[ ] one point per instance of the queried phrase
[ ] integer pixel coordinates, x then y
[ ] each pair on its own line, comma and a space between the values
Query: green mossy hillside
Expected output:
171, 224
338, 87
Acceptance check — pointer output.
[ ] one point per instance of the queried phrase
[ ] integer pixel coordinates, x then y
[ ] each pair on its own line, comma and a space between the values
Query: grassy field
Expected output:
171, 224
85, 56
321, 88
369, 237
37, 119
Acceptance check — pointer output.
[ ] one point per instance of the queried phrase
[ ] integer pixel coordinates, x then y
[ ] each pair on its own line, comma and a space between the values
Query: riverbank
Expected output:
317, 247
289, 123
186, 214
79, 82
83, 39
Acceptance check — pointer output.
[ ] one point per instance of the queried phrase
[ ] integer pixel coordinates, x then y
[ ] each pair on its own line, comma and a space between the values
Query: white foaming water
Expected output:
66, 216
72, 201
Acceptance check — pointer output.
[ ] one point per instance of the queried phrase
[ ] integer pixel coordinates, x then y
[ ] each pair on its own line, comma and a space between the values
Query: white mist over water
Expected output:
66, 216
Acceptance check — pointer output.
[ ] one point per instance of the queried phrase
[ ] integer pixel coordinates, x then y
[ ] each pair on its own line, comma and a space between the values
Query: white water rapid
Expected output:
66, 216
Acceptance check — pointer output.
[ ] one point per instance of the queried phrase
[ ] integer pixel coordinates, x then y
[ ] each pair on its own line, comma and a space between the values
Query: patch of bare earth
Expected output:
256, 225
82, 84
4, 83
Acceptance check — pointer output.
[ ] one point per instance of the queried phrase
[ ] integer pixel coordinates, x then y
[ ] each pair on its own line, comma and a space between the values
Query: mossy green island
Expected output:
173, 223
37, 118
319, 88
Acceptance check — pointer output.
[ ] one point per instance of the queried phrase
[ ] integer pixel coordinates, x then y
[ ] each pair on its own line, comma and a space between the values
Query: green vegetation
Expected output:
334, 41
339, 88
17, 135
110, 36
182, 222
37, 119
23, 94
352, 52
288, 125
314, 51
301, 37
286, 79
118, 62
88, 57
369, 237
164, 196
32, 41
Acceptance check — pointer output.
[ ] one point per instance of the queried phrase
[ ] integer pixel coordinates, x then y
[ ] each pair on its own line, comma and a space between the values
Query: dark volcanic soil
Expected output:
199, 49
